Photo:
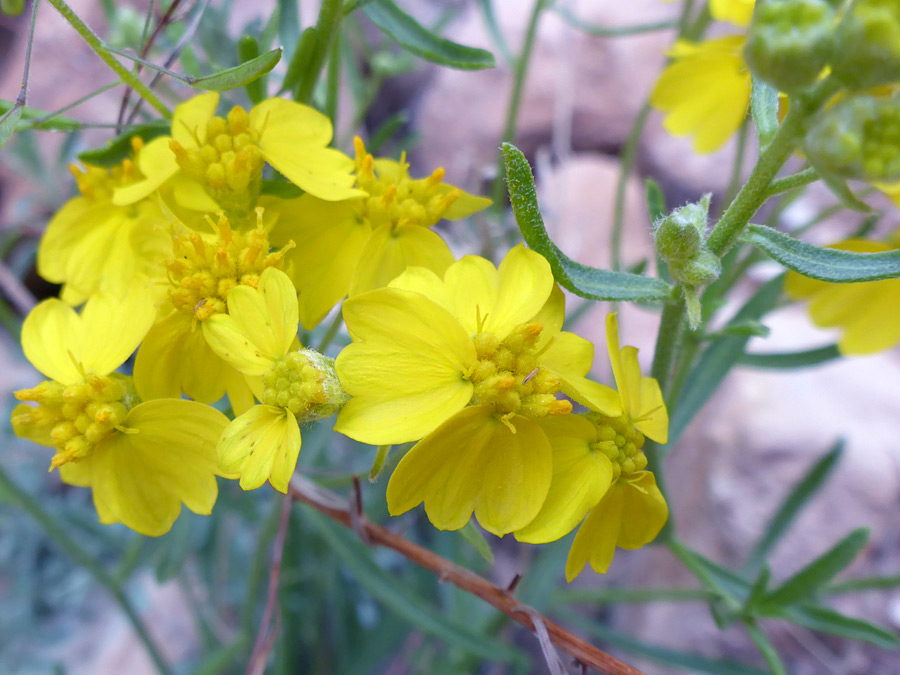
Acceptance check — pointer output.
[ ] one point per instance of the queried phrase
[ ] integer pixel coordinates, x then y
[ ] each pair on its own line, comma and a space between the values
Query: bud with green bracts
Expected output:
790, 42
867, 51
858, 138
679, 239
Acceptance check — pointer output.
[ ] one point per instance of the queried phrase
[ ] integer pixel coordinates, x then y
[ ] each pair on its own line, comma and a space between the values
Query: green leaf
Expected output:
842, 191
395, 596
803, 585
299, 62
584, 281
248, 50
612, 596
824, 264
381, 456
288, 22
282, 189
765, 647
238, 76
55, 123
828, 621
863, 584
415, 38
786, 360
476, 539
694, 663
764, 108
8, 123
119, 148
789, 510
718, 359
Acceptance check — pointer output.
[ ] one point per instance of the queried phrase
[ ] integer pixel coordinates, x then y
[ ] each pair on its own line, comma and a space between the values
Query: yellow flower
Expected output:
257, 337
222, 158
92, 244
469, 362
865, 312
362, 244
598, 471
175, 357
705, 90
141, 459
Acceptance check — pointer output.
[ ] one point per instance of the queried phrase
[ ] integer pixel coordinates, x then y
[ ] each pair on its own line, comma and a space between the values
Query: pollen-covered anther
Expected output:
507, 375
98, 183
305, 383
205, 269
78, 416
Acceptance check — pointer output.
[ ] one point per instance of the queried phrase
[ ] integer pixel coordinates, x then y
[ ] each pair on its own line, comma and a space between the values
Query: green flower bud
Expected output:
12, 7
790, 42
858, 138
868, 44
679, 236
703, 269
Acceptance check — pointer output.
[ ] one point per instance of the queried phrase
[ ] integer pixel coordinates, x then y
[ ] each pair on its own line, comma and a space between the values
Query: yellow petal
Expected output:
596, 539
425, 282
191, 195
551, 317
191, 117
293, 139
157, 164
652, 418
570, 357
66, 229
224, 336
471, 286
464, 205
77, 472
475, 463
875, 326
113, 328
390, 250
644, 511
266, 315
26, 426
329, 238
141, 478
405, 370
51, 335
260, 445
581, 477
525, 285
738, 12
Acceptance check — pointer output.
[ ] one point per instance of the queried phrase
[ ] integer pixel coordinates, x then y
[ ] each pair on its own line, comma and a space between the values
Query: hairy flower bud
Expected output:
790, 42
679, 236
867, 50
858, 138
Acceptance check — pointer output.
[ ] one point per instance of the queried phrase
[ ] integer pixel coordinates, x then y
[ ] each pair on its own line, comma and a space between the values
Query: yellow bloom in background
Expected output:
141, 459
866, 313
221, 159
257, 337
598, 471
468, 363
705, 90
91, 244
362, 244
175, 357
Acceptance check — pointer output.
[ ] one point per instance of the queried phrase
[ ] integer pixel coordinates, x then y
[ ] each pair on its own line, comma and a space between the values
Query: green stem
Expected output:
498, 191
796, 180
629, 151
738, 166
773, 661
755, 191
62, 539
332, 90
330, 333
94, 43
671, 332
329, 20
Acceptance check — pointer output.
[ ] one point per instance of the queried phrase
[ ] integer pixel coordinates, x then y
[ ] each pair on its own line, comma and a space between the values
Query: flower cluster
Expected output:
182, 254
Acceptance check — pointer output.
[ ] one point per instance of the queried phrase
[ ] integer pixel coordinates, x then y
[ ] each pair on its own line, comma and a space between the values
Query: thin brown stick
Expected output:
264, 641
336, 508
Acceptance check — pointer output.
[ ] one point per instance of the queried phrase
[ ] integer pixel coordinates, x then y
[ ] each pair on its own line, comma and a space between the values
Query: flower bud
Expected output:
858, 138
867, 50
679, 236
790, 42
703, 269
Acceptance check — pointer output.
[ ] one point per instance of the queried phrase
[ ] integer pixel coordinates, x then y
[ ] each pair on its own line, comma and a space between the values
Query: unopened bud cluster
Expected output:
97, 183
620, 442
680, 240
305, 383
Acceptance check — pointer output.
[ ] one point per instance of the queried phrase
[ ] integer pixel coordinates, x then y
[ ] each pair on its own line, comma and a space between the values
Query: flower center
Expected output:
401, 200
98, 184
229, 163
507, 375
202, 272
621, 442
305, 383
78, 416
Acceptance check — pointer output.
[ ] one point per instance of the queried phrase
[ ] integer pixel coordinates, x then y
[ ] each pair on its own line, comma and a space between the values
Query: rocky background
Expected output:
739, 457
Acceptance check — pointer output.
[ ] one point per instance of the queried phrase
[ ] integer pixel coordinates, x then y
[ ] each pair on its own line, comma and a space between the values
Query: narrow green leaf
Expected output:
238, 76
612, 596
27, 115
415, 38
786, 360
842, 191
715, 578
476, 539
764, 108
248, 50
828, 621
803, 585
863, 584
351, 6
694, 663
378, 465
765, 647
582, 280
825, 264
789, 510
718, 359
288, 22
8, 123
611, 31
388, 590
656, 200
299, 62
119, 148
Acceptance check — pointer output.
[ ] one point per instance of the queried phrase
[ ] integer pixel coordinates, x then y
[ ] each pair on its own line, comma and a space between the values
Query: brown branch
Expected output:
264, 641
333, 506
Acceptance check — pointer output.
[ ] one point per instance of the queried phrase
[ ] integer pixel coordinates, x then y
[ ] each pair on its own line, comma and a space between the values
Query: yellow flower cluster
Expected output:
180, 255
